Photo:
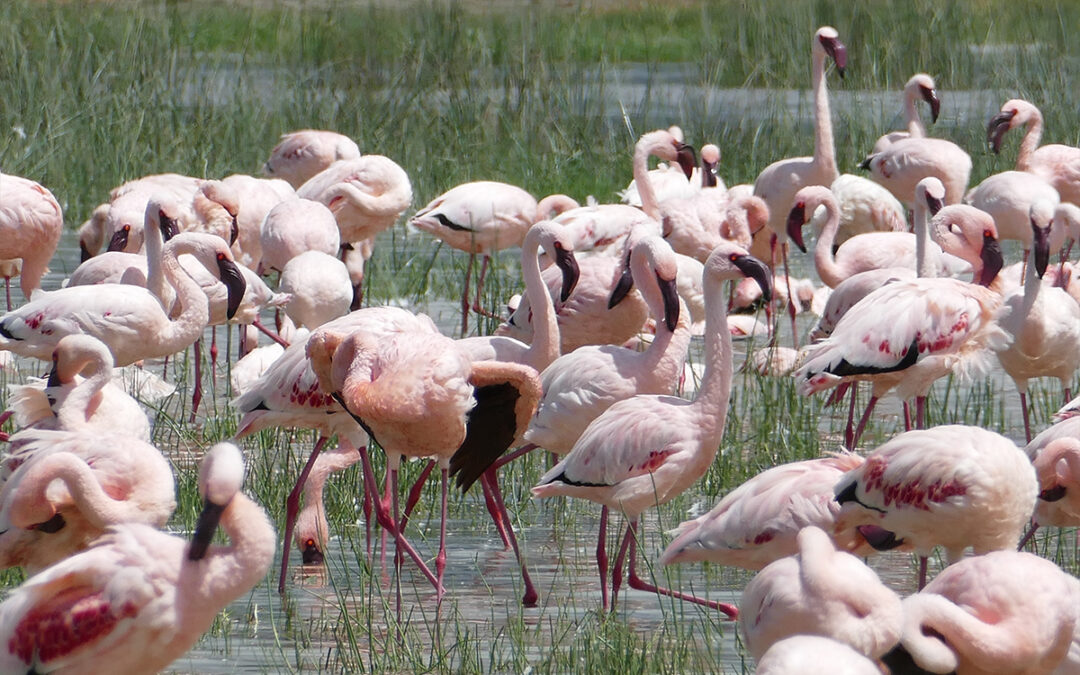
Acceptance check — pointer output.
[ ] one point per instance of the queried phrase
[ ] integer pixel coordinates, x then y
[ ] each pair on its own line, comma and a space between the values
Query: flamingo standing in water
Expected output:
953, 486
31, 222
139, 598
299, 155
920, 87
647, 450
1057, 164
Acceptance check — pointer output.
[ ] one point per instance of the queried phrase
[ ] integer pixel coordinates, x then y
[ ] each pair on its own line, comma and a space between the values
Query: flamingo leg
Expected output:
465, 296
849, 431
1028, 535
1027, 416
863, 420
601, 558
269, 333
292, 508
530, 597
477, 306
196, 395
213, 350
414, 492
908, 425
506, 459
790, 309
367, 504
640, 584
493, 509
616, 571
7, 291
922, 572
440, 559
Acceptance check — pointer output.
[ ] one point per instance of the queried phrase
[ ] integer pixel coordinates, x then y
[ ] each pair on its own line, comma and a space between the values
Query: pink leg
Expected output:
849, 432
601, 558
908, 424
414, 492
1027, 418
862, 421
4, 418
196, 395
1028, 535
920, 412
506, 459
440, 559
477, 306
7, 291
367, 504
922, 573
530, 597
213, 350
493, 509
616, 571
269, 333
791, 303
465, 297
640, 584
292, 508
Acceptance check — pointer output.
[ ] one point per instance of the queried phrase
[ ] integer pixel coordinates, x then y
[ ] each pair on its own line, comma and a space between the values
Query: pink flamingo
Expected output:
819, 591
1008, 197
1057, 164
952, 486
920, 87
312, 531
757, 522
68, 486
31, 222
320, 288
814, 655
1057, 467
299, 155
1043, 321
864, 207
901, 165
139, 598
1003, 612
129, 319
646, 450
293, 227
128, 202
255, 197
92, 233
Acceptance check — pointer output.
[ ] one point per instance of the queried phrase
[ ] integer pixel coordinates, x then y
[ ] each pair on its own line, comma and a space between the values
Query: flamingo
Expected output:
1057, 467
757, 522
215, 206
920, 86
295, 226
312, 532
68, 486
139, 598
299, 155
128, 203
581, 385
814, 655
864, 207
414, 393
129, 319
1044, 322
953, 486
319, 286
819, 591
1008, 197
1057, 164
677, 179
31, 222
646, 450
1003, 612
92, 232
255, 197
901, 165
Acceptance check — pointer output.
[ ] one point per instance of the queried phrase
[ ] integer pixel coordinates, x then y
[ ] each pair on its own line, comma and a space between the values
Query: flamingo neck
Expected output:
925, 264
830, 272
915, 126
714, 391
1032, 285
649, 202
194, 308
155, 276
545, 344
227, 571
824, 150
99, 509
1030, 142
83, 399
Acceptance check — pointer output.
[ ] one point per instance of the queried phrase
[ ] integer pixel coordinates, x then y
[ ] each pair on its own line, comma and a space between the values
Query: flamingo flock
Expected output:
589, 366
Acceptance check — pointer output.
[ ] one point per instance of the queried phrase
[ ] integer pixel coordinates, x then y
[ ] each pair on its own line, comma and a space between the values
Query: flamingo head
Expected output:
220, 478
1041, 215
624, 285
567, 264
310, 552
932, 192
998, 125
929, 95
686, 157
120, 238
669, 290
830, 42
710, 159
795, 221
755, 269
992, 260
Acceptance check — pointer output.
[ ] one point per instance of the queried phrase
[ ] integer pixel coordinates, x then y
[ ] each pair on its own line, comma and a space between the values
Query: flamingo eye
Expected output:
988, 234
734, 257
310, 542
220, 256
127, 228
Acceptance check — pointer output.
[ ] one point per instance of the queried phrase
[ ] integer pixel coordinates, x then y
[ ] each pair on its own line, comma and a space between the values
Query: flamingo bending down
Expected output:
31, 222
128, 203
819, 591
68, 486
1003, 612
814, 655
293, 227
299, 155
1057, 467
92, 233
139, 598
319, 286
920, 86
129, 319
757, 522
1008, 197
953, 486
646, 450
1057, 164
312, 531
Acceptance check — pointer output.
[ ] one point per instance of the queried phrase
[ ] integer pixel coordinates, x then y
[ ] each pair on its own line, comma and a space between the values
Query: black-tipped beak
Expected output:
54, 377
836, 49
708, 173
758, 271
310, 553
205, 529
795, 221
865, 164
879, 538
168, 226
623, 286
119, 239
1054, 494
992, 260
933, 205
84, 253
234, 282
687, 158
996, 129
669, 290
234, 231
567, 263
930, 96
1040, 245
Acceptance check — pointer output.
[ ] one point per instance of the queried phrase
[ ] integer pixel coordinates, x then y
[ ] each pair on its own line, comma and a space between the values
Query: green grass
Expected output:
99, 93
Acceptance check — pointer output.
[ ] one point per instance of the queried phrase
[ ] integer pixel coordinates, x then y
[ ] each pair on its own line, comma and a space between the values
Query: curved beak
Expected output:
795, 221
758, 271
119, 239
933, 205
1040, 244
837, 51
995, 130
991, 259
708, 173
567, 263
930, 96
234, 231
311, 554
84, 253
234, 282
168, 226
204, 529
623, 286
687, 158
669, 290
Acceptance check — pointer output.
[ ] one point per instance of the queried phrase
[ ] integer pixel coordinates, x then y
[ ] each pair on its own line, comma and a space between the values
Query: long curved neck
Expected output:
827, 269
155, 276
915, 126
227, 571
649, 202
83, 399
194, 306
92, 501
714, 391
1030, 143
1032, 284
545, 344
824, 150
925, 264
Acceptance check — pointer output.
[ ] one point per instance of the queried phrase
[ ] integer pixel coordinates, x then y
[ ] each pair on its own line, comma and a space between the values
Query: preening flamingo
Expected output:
1043, 320
814, 655
920, 87
757, 522
92, 232
646, 450
299, 155
1003, 612
1057, 164
140, 598
819, 591
1008, 197
676, 179
1057, 467
31, 222
255, 197
952, 486
68, 486
129, 319
864, 207
319, 286
128, 203
901, 165
293, 227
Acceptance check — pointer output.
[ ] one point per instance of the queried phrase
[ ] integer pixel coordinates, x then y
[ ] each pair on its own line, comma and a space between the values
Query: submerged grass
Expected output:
544, 95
